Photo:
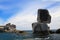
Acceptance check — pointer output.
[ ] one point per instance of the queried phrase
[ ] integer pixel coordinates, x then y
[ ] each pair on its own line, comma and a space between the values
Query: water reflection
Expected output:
31, 37
12, 36
37, 39
49, 37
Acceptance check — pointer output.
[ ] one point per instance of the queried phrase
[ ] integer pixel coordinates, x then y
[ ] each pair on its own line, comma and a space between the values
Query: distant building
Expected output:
2, 28
8, 27
12, 27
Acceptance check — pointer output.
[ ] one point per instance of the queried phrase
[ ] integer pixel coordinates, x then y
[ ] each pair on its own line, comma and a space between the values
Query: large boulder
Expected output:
43, 16
40, 28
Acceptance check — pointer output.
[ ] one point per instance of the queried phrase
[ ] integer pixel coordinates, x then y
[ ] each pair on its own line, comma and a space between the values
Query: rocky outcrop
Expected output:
58, 31
43, 16
40, 27
18, 32
12, 29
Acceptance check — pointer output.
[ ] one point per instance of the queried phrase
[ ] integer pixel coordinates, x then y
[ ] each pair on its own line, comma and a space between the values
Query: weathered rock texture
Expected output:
40, 27
43, 16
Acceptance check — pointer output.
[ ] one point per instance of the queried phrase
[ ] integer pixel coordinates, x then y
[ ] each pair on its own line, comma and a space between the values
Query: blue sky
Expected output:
24, 12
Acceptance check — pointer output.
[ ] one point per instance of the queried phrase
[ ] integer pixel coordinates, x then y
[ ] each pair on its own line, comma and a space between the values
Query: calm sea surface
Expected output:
29, 36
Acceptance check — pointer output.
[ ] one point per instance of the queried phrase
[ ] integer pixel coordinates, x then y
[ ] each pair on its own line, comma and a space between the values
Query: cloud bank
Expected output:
55, 13
23, 19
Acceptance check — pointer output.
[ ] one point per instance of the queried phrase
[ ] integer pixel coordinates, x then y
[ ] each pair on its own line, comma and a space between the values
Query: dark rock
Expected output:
51, 32
21, 31
39, 28
43, 16
58, 31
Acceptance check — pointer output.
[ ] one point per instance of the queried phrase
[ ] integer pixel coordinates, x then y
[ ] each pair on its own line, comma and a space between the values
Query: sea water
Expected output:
29, 36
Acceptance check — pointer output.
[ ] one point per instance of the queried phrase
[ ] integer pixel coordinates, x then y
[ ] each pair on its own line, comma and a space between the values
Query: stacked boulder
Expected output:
43, 18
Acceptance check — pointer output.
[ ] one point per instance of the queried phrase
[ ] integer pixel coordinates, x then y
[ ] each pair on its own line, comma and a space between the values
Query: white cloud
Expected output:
55, 13
24, 19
